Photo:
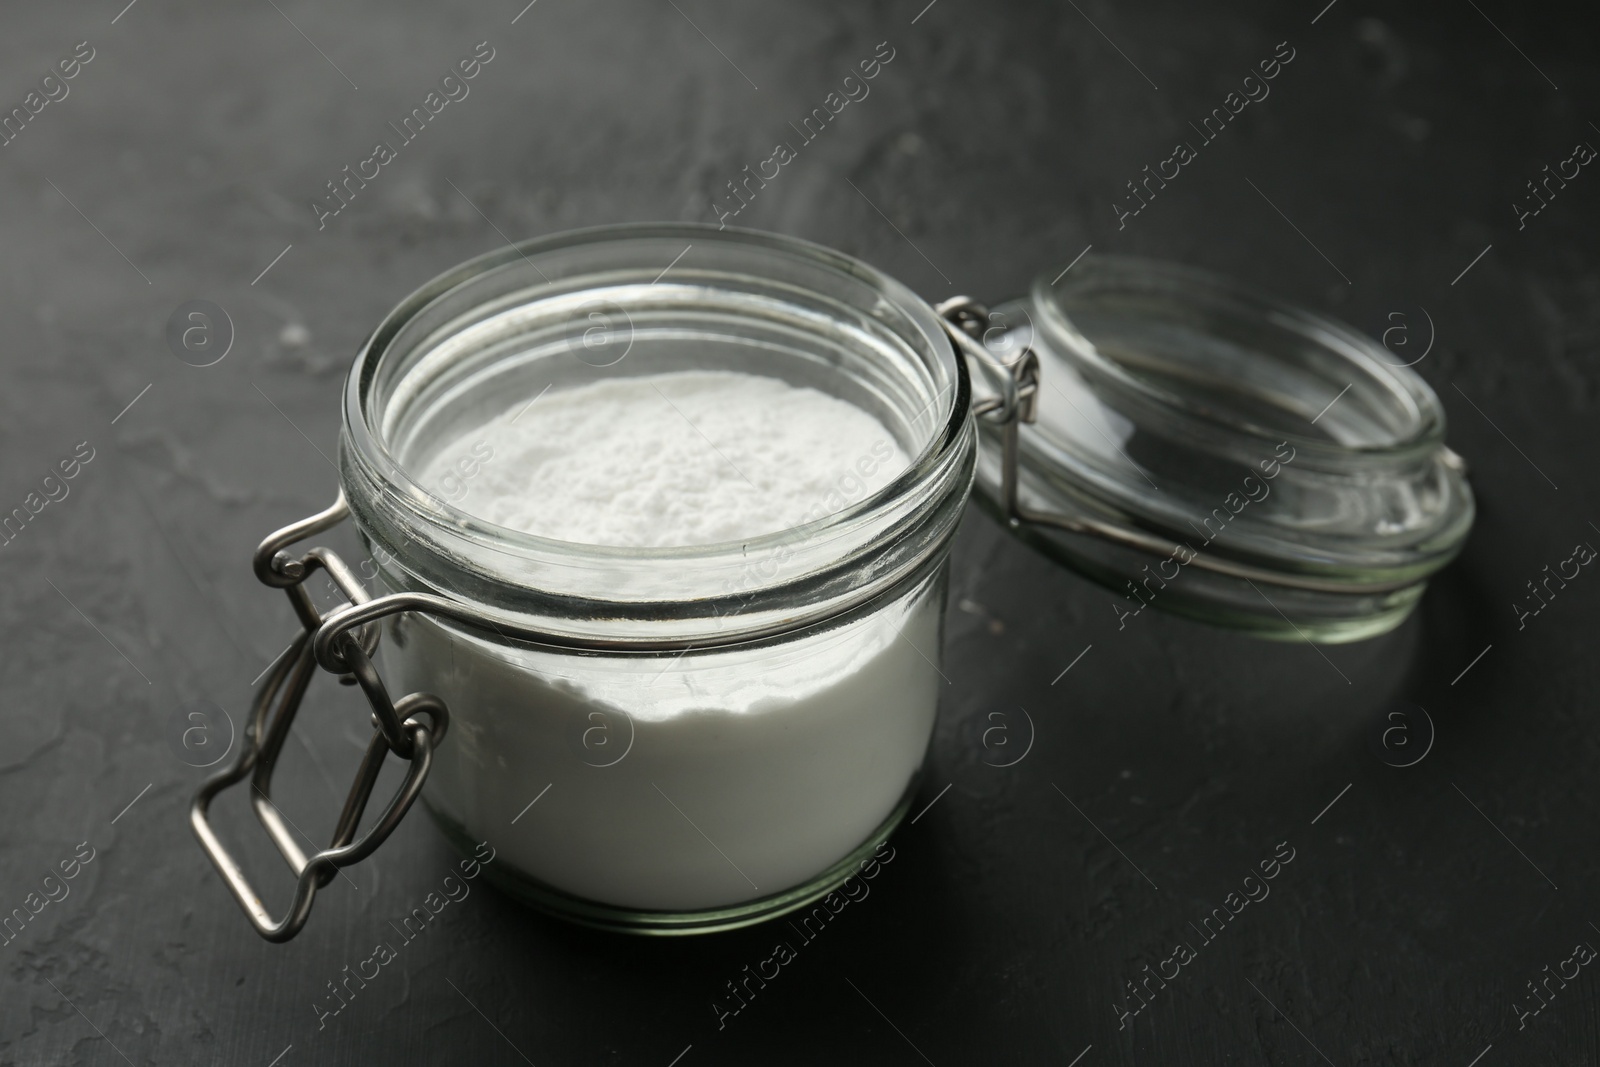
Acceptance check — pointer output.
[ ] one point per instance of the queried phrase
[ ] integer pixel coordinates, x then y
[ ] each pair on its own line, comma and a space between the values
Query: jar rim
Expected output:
371, 468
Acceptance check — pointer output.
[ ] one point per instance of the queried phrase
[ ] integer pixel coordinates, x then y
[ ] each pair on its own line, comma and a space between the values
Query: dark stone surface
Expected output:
1414, 911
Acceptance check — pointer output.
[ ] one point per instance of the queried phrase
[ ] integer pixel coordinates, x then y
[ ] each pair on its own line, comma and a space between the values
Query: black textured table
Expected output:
1432, 914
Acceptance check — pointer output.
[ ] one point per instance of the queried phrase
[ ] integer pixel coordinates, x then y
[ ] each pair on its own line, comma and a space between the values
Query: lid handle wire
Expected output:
396, 724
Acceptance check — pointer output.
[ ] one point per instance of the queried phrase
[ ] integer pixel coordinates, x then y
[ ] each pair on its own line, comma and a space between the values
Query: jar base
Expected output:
573, 909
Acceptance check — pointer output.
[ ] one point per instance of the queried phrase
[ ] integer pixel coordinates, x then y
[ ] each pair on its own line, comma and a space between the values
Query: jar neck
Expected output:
500, 324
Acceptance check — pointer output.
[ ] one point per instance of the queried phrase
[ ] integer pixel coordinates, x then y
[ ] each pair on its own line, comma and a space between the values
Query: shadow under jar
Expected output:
687, 739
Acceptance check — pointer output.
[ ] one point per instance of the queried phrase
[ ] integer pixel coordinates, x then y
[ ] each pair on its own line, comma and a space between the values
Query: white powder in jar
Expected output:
667, 460
675, 782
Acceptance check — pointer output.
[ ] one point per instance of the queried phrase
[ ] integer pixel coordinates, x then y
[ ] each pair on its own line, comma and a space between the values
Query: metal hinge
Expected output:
396, 728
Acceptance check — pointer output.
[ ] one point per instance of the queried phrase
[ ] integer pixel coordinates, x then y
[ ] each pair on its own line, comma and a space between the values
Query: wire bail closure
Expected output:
396, 728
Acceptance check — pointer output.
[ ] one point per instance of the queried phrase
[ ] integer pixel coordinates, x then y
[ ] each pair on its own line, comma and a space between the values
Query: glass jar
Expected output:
726, 729
689, 739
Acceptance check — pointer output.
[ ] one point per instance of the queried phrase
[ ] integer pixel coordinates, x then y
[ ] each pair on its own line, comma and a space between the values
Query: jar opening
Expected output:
529, 322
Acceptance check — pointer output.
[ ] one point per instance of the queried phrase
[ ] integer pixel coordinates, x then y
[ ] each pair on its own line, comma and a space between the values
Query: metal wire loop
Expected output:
398, 728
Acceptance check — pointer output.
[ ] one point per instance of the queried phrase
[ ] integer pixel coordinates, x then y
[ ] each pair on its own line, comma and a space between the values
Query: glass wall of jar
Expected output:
721, 731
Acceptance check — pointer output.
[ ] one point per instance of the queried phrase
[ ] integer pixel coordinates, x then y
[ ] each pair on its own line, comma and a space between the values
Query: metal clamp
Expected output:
396, 728
1016, 384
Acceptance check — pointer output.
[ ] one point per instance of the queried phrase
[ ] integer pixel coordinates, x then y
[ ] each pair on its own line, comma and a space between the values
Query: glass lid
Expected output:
1201, 449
